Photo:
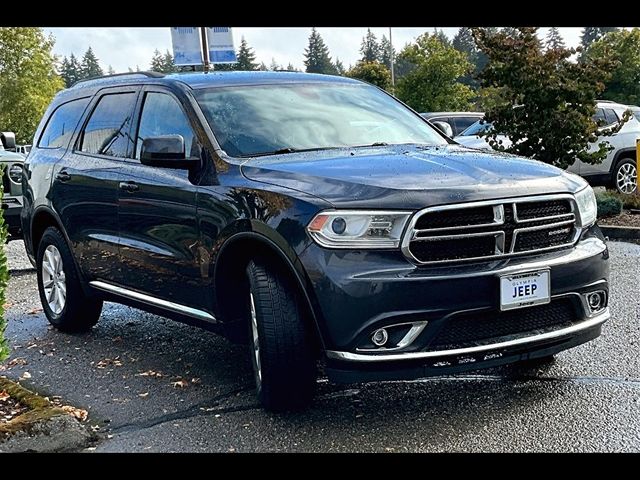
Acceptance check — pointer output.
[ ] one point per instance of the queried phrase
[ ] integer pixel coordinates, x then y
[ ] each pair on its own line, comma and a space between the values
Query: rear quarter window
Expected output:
62, 123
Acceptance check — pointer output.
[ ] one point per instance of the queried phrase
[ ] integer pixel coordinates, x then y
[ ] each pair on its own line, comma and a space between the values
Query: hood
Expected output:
409, 177
7, 156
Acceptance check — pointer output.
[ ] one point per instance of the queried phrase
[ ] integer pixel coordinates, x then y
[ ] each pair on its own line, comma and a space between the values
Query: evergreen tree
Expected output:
339, 67
554, 39
246, 57
274, 65
110, 70
70, 70
387, 52
317, 58
90, 66
369, 49
291, 68
440, 35
593, 34
157, 62
262, 67
168, 64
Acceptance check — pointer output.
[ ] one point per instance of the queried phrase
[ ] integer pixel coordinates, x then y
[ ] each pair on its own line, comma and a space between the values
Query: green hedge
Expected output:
4, 276
609, 205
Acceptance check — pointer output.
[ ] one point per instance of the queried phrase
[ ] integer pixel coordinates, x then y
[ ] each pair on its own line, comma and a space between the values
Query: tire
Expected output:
282, 353
624, 173
70, 312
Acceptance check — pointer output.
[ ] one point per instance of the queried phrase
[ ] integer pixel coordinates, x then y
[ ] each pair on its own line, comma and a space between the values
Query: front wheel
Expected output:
281, 349
64, 302
625, 176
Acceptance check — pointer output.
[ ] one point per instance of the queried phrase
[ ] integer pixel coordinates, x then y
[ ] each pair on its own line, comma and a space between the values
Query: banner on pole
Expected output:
187, 47
220, 40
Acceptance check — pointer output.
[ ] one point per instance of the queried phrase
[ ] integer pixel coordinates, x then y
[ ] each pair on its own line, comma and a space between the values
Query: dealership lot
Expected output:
150, 384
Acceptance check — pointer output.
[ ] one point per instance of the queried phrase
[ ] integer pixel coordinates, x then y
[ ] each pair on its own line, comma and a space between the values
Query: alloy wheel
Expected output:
54, 280
626, 178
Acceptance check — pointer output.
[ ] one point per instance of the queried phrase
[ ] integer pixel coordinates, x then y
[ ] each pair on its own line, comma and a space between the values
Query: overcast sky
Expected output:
130, 47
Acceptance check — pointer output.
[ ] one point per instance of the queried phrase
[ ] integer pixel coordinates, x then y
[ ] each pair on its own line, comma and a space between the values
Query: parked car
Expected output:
312, 217
457, 121
12, 168
617, 170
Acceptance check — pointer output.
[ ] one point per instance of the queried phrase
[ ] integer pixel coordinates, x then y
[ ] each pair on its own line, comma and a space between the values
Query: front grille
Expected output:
492, 229
471, 329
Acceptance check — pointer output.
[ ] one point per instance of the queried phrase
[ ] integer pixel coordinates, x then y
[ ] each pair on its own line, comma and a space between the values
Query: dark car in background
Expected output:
314, 219
457, 121
12, 168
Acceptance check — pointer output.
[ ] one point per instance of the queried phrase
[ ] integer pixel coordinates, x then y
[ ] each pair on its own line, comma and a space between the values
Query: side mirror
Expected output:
444, 127
8, 140
166, 151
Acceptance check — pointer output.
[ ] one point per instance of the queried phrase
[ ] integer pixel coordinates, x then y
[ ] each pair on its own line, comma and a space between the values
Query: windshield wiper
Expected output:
288, 150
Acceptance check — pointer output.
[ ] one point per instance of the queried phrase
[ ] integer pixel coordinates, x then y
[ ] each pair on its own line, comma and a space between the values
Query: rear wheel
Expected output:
63, 300
282, 353
625, 176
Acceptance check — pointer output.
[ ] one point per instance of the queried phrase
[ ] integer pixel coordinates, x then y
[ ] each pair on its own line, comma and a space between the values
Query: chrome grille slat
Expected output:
513, 235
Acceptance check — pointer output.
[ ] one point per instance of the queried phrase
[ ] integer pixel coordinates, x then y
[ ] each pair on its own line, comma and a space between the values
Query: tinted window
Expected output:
611, 116
600, 118
636, 113
162, 115
476, 128
462, 123
62, 123
107, 132
263, 119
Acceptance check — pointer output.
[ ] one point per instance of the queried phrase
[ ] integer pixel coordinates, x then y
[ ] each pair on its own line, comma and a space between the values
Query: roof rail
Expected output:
99, 77
605, 101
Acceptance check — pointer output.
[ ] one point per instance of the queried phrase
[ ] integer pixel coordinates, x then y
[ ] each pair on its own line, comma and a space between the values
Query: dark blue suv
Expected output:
314, 218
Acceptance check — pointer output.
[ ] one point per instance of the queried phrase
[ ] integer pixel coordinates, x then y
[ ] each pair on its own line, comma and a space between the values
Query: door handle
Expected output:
129, 186
63, 176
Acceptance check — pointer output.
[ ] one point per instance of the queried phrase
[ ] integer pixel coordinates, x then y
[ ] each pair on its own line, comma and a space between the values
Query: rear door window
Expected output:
62, 124
462, 123
108, 130
611, 116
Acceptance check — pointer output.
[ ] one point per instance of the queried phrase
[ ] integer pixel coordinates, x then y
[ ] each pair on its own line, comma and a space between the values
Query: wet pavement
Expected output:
151, 384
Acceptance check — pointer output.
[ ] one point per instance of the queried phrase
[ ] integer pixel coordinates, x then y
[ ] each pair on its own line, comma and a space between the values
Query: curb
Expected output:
620, 233
44, 428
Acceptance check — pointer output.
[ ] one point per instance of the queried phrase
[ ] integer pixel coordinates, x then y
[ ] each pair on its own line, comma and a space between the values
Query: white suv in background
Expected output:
617, 170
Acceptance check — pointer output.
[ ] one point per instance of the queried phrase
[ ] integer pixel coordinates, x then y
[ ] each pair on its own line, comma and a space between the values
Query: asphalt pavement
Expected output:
153, 385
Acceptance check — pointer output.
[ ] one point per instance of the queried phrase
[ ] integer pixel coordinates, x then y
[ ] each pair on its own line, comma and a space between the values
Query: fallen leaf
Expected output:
16, 361
180, 383
196, 381
34, 311
7, 305
25, 375
79, 413
150, 373
143, 395
3, 395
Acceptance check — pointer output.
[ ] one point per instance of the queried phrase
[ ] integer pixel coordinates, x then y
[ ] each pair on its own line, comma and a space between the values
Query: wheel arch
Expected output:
229, 272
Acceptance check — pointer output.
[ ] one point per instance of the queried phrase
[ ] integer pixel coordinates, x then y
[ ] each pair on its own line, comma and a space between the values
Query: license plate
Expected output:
524, 289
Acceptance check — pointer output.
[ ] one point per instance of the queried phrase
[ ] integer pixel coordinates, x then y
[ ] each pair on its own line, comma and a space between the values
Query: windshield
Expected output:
476, 128
265, 119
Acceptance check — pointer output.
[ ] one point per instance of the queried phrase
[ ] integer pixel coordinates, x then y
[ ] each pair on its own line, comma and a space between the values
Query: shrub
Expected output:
609, 205
4, 276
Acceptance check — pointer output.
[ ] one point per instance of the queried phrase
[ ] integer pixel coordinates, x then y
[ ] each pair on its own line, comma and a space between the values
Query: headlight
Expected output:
15, 173
587, 206
358, 229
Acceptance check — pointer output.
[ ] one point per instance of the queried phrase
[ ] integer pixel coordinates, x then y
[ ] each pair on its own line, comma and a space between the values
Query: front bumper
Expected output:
387, 291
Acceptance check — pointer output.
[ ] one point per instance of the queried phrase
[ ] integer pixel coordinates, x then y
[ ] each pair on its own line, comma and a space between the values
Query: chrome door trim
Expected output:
153, 301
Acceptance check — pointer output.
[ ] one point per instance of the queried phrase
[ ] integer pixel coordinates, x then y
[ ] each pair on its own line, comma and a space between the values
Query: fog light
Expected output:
380, 337
596, 300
